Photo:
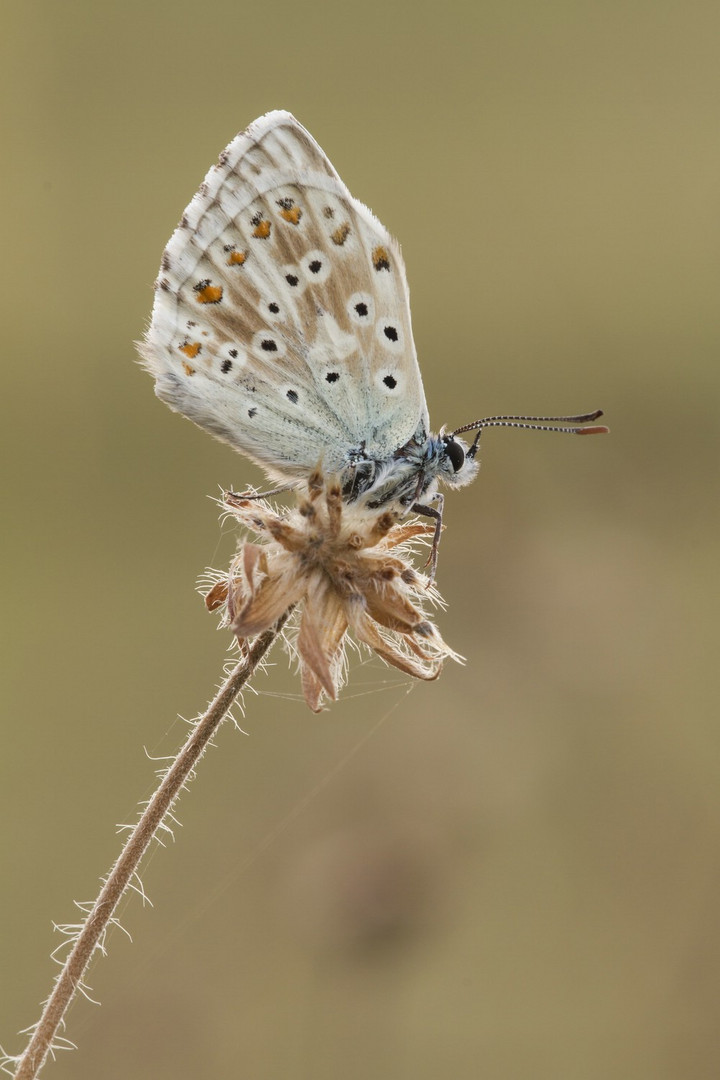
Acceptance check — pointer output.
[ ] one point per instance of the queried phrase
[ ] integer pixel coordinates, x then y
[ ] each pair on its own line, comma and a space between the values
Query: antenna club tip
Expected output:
598, 429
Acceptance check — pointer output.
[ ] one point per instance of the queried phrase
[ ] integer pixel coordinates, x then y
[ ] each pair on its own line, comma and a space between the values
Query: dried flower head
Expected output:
346, 568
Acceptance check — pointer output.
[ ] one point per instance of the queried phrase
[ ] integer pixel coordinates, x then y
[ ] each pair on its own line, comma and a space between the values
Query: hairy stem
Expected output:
32, 1060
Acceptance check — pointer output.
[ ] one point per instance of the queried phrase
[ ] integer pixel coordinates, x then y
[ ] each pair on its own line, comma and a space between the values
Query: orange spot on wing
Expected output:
209, 294
262, 230
189, 369
191, 349
380, 258
237, 258
340, 235
291, 214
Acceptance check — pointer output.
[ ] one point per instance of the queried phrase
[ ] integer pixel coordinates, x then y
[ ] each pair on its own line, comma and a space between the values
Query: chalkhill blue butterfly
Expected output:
281, 324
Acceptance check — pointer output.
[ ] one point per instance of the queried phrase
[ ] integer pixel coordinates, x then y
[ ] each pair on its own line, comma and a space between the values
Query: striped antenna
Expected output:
567, 424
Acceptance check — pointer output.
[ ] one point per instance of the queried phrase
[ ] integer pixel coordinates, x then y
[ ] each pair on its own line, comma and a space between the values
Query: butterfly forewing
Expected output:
281, 321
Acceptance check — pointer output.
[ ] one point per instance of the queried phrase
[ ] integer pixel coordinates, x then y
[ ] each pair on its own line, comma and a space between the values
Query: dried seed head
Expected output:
347, 569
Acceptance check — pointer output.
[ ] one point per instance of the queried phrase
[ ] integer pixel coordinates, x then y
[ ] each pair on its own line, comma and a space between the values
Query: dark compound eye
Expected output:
456, 454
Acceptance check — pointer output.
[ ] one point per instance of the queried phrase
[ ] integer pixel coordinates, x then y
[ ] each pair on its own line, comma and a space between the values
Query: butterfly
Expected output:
281, 324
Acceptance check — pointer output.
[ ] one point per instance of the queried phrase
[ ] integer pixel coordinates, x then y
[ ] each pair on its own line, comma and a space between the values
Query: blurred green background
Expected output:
511, 873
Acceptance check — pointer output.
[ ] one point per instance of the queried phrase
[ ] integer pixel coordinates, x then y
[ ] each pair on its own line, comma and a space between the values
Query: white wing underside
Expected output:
281, 320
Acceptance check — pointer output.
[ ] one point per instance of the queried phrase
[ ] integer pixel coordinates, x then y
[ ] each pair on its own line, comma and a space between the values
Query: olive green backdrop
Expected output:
511, 873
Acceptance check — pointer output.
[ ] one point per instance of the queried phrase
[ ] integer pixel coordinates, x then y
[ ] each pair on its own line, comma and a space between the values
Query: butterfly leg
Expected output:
437, 516
259, 494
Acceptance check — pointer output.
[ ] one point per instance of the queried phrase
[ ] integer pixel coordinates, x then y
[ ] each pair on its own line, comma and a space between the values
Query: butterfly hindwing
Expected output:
281, 320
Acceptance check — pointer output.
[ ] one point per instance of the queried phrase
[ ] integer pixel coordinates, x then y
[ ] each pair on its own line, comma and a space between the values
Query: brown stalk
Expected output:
99, 918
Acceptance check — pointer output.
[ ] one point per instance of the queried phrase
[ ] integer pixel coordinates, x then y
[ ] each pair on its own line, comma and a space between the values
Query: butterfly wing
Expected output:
281, 320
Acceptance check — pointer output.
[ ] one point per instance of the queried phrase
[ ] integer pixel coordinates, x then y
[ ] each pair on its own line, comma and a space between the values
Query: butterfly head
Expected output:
457, 465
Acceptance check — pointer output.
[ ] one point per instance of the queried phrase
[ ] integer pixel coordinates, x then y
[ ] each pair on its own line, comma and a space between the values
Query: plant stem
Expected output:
66, 985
